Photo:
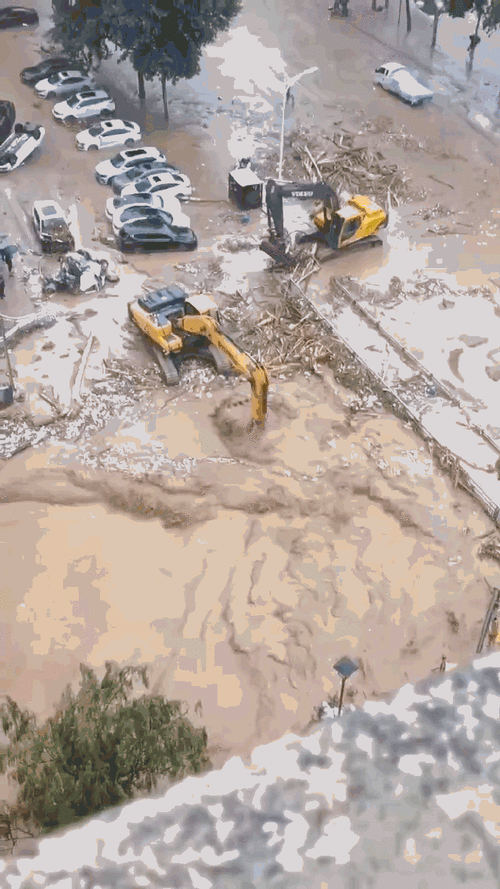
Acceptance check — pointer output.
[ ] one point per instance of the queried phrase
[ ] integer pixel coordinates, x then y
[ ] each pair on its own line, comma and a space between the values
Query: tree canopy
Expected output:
161, 38
100, 749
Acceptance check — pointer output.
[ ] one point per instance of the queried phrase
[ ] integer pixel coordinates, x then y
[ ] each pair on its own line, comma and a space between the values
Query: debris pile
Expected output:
355, 169
15, 327
81, 271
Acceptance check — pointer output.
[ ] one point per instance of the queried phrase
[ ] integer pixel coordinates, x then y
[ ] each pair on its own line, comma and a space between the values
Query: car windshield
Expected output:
73, 101
117, 161
95, 131
54, 78
55, 226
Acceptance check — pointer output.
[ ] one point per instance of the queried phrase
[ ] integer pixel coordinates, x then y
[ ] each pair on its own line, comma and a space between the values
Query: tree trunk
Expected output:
140, 81
474, 42
164, 96
408, 17
435, 29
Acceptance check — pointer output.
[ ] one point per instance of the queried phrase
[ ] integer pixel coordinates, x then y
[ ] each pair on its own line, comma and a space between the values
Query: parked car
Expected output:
51, 226
155, 234
176, 182
170, 215
17, 16
44, 69
20, 145
124, 160
162, 200
7, 118
109, 133
138, 172
395, 78
63, 82
89, 103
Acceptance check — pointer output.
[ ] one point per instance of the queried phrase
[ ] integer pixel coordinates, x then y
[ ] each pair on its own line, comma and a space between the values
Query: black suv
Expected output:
155, 233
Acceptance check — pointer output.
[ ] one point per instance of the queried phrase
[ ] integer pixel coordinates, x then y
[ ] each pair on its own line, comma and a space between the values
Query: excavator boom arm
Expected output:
302, 191
256, 374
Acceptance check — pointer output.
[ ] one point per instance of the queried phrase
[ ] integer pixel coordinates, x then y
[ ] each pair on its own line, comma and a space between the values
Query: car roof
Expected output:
45, 207
93, 94
391, 67
70, 72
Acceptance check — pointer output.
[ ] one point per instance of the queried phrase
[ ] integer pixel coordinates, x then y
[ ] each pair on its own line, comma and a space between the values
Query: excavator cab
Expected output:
357, 220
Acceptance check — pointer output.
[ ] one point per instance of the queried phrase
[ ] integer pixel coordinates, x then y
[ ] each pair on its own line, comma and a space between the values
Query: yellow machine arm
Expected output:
256, 374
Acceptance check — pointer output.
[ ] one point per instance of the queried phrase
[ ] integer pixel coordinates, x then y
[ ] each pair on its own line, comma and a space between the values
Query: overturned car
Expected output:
81, 271
20, 145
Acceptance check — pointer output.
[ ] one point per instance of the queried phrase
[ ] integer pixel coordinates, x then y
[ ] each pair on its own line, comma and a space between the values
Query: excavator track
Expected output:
167, 367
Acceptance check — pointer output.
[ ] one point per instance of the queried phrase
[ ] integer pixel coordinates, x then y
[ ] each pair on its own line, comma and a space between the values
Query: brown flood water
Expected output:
242, 578
245, 574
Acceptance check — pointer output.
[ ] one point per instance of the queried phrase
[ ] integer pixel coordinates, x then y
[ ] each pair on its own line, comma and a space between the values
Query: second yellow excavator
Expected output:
181, 325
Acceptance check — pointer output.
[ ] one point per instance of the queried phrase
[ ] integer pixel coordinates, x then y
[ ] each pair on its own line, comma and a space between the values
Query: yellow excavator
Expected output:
356, 222
181, 326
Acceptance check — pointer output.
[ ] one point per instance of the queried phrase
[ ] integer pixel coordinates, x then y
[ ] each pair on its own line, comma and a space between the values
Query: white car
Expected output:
140, 200
395, 78
176, 183
19, 145
62, 83
51, 225
109, 133
89, 103
172, 207
107, 170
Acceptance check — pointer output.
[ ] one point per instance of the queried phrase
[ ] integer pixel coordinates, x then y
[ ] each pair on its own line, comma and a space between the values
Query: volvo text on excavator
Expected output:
357, 221
181, 325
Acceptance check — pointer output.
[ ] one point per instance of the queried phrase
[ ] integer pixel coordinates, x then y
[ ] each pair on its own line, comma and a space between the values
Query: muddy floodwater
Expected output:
245, 568
151, 526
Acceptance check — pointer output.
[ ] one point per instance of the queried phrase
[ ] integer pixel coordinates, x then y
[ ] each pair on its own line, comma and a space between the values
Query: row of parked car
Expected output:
145, 213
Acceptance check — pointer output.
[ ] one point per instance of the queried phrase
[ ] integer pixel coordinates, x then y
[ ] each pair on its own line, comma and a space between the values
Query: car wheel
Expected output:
71, 120
129, 143
92, 148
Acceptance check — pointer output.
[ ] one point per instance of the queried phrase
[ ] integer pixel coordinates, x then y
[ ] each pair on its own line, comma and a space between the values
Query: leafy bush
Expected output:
100, 749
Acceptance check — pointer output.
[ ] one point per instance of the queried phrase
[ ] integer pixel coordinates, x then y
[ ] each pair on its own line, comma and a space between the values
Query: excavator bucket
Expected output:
278, 252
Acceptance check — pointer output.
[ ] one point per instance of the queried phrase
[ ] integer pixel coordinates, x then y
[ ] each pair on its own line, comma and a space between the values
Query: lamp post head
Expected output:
345, 667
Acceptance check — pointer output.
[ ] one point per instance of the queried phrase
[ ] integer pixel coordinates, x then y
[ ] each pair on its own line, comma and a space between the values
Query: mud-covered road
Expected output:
240, 567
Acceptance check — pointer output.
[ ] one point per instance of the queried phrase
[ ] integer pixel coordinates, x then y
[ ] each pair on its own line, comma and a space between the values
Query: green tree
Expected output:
82, 30
165, 39
100, 749
161, 38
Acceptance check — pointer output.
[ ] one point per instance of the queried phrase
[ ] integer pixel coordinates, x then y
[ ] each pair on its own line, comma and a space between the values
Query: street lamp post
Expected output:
286, 86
